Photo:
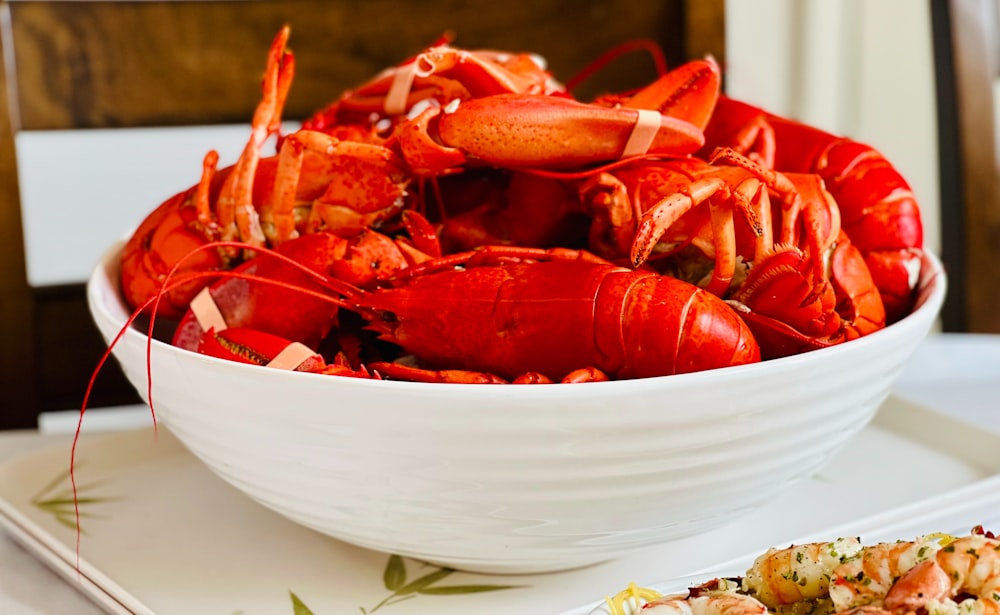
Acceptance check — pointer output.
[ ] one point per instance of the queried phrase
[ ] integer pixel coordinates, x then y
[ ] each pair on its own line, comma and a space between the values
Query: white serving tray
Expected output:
163, 535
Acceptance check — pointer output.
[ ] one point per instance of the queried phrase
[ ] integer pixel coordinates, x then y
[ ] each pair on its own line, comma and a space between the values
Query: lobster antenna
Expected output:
650, 46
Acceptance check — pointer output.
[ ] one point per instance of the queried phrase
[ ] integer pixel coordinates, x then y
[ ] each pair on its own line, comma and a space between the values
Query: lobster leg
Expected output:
725, 190
742, 127
612, 229
656, 220
416, 374
810, 218
399, 371
879, 210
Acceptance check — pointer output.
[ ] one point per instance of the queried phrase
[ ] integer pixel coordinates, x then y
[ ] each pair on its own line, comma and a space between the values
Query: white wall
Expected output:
862, 68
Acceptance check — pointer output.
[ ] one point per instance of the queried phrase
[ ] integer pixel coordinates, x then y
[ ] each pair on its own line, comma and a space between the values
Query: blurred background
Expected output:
108, 108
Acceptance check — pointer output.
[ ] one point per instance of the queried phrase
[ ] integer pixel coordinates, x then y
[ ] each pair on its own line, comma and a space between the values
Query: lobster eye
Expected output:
388, 317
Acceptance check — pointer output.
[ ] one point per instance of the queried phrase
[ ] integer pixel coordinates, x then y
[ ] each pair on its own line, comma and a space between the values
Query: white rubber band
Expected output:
207, 312
399, 90
647, 124
291, 356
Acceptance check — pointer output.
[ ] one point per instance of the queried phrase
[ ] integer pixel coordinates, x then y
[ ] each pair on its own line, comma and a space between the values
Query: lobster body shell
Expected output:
558, 316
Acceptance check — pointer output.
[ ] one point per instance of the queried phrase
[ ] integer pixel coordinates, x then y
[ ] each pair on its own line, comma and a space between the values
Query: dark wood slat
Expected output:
68, 349
18, 390
102, 64
705, 30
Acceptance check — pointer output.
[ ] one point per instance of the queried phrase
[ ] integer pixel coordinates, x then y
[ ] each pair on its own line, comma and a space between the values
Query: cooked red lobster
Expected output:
462, 218
502, 314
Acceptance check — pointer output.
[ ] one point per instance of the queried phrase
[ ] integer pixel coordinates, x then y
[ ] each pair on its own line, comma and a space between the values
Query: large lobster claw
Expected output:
536, 131
689, 92
532, 130
254, 347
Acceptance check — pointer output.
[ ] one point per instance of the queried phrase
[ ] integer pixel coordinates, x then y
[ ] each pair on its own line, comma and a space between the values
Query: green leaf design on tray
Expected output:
56, 498
298, 607
395, 580
395, 573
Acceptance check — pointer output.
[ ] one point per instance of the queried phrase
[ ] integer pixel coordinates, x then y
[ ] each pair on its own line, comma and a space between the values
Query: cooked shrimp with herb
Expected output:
866, 578
936, 574
962, 579
717, 597
783, 577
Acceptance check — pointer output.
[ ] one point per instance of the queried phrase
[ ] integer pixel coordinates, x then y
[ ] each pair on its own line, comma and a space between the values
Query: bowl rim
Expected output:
931, 290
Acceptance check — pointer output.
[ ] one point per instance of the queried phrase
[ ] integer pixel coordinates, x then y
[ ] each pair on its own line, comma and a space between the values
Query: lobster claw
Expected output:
424, 154
522, 126
689, 92
259, 348
517, 131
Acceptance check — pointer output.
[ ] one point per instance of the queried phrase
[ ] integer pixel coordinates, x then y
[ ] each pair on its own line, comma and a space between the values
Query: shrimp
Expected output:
865, 579
715, 597
710, 604
962, 579
800, 572
867, 609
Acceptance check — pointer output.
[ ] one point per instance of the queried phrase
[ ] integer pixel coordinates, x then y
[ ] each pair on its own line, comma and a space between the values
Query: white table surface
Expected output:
958, 375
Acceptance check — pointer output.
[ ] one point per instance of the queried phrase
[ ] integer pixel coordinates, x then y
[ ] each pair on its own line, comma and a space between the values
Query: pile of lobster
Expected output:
463, 218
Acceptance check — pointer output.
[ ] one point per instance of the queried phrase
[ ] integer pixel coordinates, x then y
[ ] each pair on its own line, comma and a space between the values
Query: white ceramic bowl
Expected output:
519, 479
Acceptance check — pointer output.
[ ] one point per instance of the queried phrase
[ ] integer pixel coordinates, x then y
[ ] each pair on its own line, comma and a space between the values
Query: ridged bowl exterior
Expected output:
516, 479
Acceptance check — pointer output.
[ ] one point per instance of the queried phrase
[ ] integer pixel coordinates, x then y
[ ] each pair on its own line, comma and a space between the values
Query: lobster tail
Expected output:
672, 327
555, 317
